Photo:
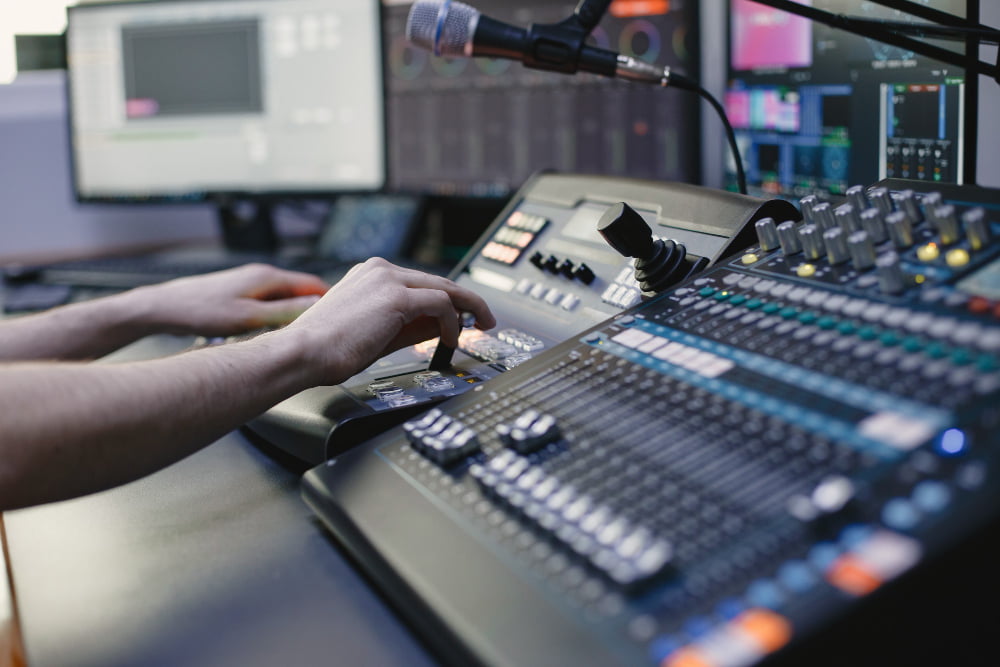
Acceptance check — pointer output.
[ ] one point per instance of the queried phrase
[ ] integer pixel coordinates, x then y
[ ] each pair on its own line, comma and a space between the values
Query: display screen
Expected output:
190, 99
483, 126
817, 109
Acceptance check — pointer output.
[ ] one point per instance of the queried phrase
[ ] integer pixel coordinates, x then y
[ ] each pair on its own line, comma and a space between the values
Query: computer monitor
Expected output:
817, 109
225, 101
481, 127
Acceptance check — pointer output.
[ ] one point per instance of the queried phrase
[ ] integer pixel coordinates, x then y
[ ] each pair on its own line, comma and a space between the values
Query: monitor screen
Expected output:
482, 126
190, 99
817, 110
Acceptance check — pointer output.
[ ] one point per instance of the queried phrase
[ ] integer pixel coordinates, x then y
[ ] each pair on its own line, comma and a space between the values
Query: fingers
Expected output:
280, 312
277, 283
437, 305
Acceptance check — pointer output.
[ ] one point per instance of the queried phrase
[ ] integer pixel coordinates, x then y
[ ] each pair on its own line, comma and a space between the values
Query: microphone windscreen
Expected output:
440, 26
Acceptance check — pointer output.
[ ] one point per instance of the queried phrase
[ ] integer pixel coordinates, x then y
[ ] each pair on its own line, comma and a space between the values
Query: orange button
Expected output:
685, 657
850, 575
769, 629
979, 305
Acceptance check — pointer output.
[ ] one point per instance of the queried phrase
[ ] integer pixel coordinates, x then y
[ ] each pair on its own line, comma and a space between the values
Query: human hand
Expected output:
228, 302
378, 308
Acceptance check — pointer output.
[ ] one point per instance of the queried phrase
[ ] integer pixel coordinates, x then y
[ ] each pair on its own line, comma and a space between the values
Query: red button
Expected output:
979, 305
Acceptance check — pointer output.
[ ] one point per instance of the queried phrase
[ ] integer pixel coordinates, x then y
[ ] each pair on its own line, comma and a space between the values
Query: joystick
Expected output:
659, 264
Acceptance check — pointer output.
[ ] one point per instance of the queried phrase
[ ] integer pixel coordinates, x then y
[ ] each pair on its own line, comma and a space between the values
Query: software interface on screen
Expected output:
183, 99
481, 127
817, 110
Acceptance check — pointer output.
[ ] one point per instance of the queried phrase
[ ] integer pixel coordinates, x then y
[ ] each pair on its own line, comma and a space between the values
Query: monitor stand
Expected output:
248, 226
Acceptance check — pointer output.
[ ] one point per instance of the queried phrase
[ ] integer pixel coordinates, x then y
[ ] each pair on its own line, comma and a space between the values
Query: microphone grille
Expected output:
443, 27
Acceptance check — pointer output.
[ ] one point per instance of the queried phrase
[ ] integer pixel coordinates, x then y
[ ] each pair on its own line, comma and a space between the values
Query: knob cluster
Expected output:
564, 267
873, 227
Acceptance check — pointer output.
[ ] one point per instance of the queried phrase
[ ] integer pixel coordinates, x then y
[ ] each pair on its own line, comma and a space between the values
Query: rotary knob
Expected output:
823, 216
862, 250
882, 200
977, 228
812, 243
857, 198
767, 234
909, 205
891, 278
789, 238
847, 218
898, 224
836, 246
871, 222
946, 220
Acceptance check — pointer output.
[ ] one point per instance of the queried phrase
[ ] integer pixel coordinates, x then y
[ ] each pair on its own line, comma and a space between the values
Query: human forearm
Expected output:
216, 304
84, 330
71, 429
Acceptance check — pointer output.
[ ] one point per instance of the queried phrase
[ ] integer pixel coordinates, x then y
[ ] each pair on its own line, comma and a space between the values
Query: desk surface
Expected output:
212, 561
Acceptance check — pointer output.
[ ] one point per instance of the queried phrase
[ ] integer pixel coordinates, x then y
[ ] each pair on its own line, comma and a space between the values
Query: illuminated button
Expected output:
889, 338
749, 258
846, 328
721, 296
868, 333
957, 257
978, 305
928, 253
788, 312
961, 357
806, 270
936, 351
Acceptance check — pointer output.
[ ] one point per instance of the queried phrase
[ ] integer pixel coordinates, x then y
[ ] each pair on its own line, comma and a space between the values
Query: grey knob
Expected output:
806, 205
789, 238
857, 198
847, 218
882, 200
909, 205
767, 234
862, 250
946, 221
871, 222
977, 228
812, 243
931, 201
891, 279
835, 242
900, 229
823, 216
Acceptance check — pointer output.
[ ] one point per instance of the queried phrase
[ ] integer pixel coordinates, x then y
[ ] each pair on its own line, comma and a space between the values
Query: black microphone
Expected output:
454, 29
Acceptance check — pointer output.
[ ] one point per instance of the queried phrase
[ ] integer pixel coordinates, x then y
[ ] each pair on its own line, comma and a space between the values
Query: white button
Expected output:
570, 301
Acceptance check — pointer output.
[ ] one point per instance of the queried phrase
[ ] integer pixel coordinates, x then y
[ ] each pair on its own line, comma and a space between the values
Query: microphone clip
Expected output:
559, 47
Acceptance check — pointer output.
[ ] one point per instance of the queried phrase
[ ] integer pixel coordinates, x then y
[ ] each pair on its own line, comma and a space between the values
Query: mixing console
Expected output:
713, 477
547, 274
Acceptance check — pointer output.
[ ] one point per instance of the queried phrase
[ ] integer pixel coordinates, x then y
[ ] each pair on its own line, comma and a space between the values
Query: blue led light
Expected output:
952, 442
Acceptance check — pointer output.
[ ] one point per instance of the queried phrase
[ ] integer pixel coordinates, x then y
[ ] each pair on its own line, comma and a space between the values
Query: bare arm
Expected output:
72, 428
221, 303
